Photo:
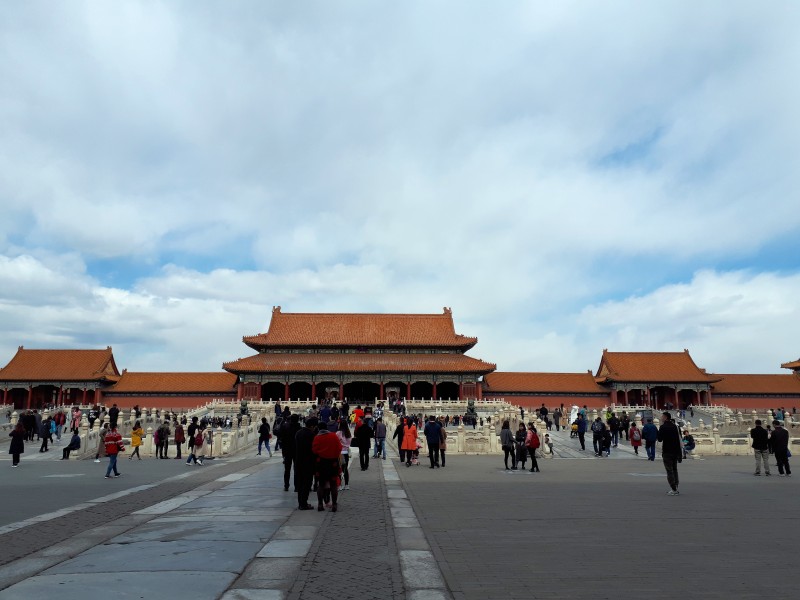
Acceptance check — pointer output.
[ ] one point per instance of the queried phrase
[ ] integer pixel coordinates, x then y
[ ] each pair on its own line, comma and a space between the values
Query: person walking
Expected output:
442, 442
263, 436
635, 435
433, 437
18, 436
113, 416
327, 449
113, 446
137, 433
45, 435
507, 444
519, 445
345, 438
409, 437
598, 428
650, 437
671, 451
760, 447
101, 445
380, 438
780, 447
581, 422
289, 430
163, 440
613, 428
363, 435
557, 416
191, 432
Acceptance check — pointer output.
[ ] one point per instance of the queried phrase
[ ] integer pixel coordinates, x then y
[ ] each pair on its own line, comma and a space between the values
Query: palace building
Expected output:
371, 357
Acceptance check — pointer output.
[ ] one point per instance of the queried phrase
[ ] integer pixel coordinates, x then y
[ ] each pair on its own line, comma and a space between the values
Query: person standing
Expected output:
780, 447
289, 430
671, 451
137, 433
581, 422
519, 446
650, 436
45, 435
598, 428
113, 445
327, 449
345, 438
304, 461
635, 435
180, 438
760, 447
18, 435
191, 431
398, 433
433, 437
443, 442
613, 427
557, 415
507, 444
532, 443
163, 440
113, 416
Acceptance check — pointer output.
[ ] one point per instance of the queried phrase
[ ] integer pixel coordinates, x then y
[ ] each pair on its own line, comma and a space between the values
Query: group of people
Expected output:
520, 445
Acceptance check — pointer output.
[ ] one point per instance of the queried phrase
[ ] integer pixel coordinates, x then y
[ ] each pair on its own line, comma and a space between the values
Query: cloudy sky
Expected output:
567, 176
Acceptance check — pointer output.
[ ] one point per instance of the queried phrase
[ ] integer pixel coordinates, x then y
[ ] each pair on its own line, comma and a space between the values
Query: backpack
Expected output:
636, 436
532, 440
198, 439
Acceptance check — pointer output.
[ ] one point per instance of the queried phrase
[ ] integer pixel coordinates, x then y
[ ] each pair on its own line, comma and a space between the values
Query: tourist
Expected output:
532, 443
581, 423
547, 442
363, 435
380, 438
208, 443
606, 443
74, 444
137, 433
60, 420
519, 445
433, 436
613, 428
199, 447
760, 447
163, 440
264, 436
191, 431
409, 439
289, 431
671, 451
780, 446
101, 446
113, 416
558, 413
635, 435
304, 461
76, 418
18, 436
327, 448
689, 445
45, 435
507, 444
625, 425
443, 443
346, 439
113, 446
398, 434
650, 436
180, 438
598, 427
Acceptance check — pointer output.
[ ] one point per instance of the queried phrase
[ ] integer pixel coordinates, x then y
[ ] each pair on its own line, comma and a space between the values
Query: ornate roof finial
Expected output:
276, 309
448, 311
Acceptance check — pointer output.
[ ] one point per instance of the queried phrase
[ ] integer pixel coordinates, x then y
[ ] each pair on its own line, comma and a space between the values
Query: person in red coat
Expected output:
327, 449
635, 436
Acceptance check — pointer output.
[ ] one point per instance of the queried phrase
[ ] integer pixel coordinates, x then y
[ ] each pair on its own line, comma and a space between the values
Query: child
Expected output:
548, 442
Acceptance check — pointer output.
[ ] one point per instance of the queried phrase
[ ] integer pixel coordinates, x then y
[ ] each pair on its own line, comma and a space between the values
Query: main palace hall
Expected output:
371, 357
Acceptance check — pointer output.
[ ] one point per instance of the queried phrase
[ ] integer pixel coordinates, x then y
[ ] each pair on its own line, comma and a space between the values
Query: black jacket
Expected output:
780, 440
760, 438
288, 433
670, 439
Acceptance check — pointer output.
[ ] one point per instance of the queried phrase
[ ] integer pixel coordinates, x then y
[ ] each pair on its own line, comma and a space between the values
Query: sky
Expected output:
566, 176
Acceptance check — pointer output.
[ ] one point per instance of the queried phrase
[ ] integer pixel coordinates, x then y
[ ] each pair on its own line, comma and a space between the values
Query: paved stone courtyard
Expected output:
582, 528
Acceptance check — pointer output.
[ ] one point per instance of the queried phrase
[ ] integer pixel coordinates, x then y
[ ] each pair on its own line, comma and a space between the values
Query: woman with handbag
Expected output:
507, 444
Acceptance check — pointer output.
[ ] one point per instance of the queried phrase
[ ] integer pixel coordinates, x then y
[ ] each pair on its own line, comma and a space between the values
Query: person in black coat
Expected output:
363, 434
671, 451
304, 461
288, 434
398, 433
18, 435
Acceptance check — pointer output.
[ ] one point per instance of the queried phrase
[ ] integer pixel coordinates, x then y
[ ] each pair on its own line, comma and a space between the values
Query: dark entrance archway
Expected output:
662, 396
273, 391
361, 392
327, 390
447, 390
300, 390
421, 390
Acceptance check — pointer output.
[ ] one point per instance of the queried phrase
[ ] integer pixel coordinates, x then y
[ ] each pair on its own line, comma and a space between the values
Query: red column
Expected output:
626, 398
434, 391
341, 392
5, 395
380, 394
697, 397
708, 397
460, 390
98, 396
408, 391
30, 396
314, 391
479, 390
84, 397
240, 391
286, 392
60, 394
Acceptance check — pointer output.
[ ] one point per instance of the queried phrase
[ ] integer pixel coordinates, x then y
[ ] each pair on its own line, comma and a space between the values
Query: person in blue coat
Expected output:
650, 436
581, 422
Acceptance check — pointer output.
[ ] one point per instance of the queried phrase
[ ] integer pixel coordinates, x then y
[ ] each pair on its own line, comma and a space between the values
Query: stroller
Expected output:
415, 454
573, 432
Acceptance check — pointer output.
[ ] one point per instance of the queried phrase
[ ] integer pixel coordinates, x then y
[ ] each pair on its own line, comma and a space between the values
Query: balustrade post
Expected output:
149, 446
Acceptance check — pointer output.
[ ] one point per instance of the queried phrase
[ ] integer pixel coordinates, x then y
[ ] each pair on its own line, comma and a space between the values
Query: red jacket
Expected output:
326, 445
112, 442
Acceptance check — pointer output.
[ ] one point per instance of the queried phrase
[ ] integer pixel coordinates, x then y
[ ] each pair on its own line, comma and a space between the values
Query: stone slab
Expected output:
420, 569
278, 573
285, 549
297, 532
254, 594
159, 531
